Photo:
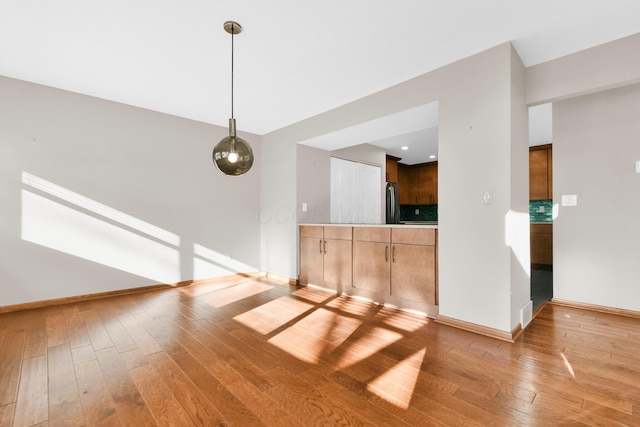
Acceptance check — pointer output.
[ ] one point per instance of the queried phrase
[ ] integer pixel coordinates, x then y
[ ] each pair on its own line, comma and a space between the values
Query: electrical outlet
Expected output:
417, 211
541, 209
304, 207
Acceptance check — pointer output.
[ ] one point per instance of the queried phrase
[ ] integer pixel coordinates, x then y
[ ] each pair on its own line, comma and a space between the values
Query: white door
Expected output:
355, 192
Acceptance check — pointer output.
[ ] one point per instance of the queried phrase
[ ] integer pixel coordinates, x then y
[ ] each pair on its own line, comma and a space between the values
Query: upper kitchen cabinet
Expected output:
428, 184
540, 172
408, 181
418, 184
392, 169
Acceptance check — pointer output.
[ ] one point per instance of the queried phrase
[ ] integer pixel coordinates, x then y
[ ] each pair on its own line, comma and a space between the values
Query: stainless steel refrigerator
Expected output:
392, 192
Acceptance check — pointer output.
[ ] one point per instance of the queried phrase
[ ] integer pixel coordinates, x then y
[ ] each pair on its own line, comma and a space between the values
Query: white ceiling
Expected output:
293, 60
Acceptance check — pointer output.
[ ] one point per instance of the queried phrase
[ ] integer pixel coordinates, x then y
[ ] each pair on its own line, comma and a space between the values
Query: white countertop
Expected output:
423, 224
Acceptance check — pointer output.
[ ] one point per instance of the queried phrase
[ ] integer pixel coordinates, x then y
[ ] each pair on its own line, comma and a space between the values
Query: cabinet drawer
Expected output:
311, 231
372, 234
414, 236
338, 233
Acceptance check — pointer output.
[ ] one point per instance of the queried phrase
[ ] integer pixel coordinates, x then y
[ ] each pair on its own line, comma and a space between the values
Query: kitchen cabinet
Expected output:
392, 169
428, 184
408, 179
326, 256
413, 265
540, 172
542, 244
371, 267
395, 266
418, 184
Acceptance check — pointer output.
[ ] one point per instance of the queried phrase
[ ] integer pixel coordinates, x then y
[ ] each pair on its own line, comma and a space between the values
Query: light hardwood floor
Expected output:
244, 352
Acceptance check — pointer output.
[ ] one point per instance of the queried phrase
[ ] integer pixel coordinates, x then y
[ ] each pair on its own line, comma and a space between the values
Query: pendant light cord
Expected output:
232, 34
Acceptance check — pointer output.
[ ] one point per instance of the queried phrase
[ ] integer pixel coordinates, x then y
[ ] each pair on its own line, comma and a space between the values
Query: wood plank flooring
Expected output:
255, 352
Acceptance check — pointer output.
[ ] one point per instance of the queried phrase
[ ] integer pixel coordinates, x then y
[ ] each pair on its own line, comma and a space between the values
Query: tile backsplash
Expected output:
425, 212
430, 212
541, 210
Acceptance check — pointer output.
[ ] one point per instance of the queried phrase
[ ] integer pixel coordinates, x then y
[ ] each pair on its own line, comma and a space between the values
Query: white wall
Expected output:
603, 67
517, 224
478, 143
278, 214
475, 139
313, 178
98, 196
596, 142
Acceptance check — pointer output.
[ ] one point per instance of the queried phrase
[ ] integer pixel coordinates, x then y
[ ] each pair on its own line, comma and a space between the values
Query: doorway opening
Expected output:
541, 203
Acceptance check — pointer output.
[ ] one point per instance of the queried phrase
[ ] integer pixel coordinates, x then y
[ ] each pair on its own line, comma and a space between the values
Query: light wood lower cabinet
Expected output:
325, 256
413, 273
371, 261
396, 266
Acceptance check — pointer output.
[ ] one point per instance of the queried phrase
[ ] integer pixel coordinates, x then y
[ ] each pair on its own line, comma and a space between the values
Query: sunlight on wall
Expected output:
516, 237
99, 209
80, 228
209, 263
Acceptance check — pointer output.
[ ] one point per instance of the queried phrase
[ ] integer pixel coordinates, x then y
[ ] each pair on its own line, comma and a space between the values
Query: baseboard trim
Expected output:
539, 309
289, 280
595, 307
99, 295
89, 297
482, 330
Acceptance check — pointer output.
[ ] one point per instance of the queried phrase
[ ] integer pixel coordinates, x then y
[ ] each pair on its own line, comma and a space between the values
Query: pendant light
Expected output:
232, 155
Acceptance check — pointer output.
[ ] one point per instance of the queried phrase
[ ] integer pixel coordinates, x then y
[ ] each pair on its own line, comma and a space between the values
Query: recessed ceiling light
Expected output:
432, 156
405, 148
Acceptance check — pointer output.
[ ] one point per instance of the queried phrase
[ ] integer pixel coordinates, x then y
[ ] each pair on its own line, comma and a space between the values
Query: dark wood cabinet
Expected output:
405, 178
540, 173
542, 244
418, 184
428, 184
392, 169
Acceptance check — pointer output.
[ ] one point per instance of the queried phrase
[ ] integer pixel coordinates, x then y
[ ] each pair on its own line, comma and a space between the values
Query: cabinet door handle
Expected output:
320, 241
325, 246
393, 254
386, 253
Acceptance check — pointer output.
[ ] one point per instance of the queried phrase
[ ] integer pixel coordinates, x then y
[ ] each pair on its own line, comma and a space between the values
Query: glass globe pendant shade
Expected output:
233, 155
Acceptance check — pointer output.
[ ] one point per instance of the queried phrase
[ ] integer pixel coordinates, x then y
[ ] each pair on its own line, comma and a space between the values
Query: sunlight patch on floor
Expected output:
567, 364
330, 331
234, 293
394, 385
270, 316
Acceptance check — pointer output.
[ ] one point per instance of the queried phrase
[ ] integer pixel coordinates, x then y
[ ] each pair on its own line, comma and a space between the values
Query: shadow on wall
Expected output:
60, 219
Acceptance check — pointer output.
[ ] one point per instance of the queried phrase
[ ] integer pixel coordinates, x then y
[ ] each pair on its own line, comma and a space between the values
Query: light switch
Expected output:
487, 197
570, 200
304, 207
